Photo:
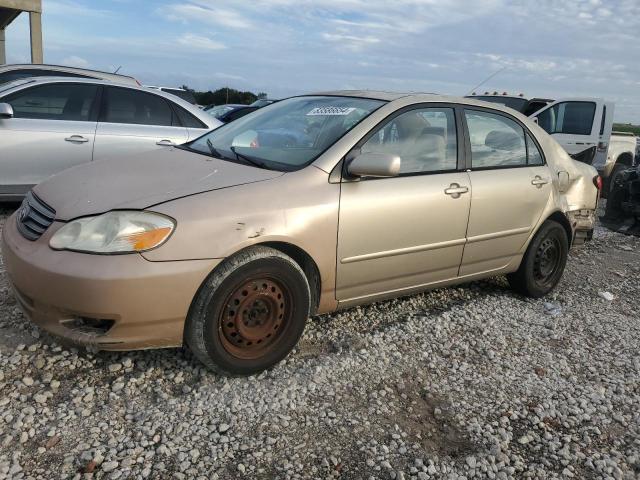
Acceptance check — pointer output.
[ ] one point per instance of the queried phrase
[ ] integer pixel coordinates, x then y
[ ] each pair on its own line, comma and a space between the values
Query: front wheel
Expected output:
249, 313
543, 263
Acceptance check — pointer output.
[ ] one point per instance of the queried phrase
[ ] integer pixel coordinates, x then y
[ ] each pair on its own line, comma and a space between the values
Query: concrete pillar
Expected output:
35, 26
3, 55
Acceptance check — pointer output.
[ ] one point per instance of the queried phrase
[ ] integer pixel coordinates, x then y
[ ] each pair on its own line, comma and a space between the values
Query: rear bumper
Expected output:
115, 302
582, 224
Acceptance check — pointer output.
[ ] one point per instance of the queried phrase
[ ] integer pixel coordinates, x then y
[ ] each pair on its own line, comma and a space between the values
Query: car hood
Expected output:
142, 181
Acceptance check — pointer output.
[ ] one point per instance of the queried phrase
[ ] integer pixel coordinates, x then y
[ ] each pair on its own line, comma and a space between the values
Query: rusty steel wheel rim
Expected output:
254, 317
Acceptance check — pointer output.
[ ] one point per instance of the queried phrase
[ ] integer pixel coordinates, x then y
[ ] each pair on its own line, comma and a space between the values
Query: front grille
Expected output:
34, 217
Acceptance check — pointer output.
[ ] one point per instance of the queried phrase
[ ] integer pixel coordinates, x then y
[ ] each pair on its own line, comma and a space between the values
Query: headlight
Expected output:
114, 232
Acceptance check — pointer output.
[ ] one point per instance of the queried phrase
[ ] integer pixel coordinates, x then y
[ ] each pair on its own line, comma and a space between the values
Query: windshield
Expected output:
218, 111
516, 103
287, 135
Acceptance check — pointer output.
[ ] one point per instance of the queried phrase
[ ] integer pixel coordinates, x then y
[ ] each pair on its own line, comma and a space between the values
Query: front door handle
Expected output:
538, 181
455, 190
76, 139
165, 143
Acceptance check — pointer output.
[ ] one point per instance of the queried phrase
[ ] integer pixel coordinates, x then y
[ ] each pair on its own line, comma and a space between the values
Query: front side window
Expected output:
288, 135
573, 118
135, 107
63, 101
496, 141
424, 139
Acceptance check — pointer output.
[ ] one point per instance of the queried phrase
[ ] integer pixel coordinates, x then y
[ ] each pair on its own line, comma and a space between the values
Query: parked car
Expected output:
49, 124
185, 95
583, 126
8, 73
229, 112
320, 202
263, 102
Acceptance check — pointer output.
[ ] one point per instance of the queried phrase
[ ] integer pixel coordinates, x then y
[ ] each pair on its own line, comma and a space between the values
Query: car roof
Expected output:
64, 68
411, 97
194, 110
370, 94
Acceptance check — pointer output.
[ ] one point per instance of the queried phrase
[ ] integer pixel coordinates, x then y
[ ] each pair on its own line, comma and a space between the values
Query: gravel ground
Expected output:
467, 382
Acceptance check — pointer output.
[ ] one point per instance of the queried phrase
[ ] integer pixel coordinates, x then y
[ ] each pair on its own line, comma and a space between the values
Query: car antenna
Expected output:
118, 69
485, 80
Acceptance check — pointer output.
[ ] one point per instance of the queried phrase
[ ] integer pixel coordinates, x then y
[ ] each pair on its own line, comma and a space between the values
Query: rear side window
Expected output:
134, 107
496, 141
63, 101
424, 139
534, 156
573, 118
187, 119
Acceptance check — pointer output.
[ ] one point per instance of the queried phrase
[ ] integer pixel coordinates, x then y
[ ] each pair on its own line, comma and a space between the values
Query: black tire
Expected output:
249, 313
543, 262
615, 172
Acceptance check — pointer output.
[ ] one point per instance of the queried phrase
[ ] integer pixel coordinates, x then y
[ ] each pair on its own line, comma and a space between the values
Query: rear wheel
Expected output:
250, 312
543, 263
616, 173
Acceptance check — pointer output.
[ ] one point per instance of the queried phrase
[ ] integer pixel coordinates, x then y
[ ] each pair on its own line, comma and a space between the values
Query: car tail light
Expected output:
597, 181
603, 146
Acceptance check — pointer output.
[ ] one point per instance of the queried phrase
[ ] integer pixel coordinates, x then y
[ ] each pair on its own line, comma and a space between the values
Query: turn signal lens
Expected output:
114, 232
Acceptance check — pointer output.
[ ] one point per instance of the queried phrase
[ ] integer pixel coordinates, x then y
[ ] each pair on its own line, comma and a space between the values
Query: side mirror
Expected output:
374, 165
6, 110
563, 181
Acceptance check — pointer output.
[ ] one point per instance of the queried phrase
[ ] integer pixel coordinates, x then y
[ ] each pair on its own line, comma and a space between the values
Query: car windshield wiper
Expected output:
250, 160
212, 149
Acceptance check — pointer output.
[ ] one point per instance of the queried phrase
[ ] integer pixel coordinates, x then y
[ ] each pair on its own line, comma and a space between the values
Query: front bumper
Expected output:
112, 302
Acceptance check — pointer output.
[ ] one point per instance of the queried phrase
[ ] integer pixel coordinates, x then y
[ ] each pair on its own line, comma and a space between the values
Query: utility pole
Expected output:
9, 11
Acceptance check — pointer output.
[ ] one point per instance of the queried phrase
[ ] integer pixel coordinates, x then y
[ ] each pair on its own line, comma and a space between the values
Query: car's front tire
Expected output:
543, 262
249, 313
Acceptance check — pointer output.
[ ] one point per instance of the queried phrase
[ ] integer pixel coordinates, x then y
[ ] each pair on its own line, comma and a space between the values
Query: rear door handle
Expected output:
165, 143
539, 181
455, 190
76, 139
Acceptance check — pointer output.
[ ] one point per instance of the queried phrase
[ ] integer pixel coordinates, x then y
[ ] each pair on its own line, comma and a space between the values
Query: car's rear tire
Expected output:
543, 262
249, 313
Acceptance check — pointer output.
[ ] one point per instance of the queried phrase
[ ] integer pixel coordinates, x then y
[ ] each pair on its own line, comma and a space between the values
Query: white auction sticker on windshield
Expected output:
330, 111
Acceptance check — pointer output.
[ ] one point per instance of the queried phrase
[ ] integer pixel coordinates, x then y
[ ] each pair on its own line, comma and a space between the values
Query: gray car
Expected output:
17, 71
49, 124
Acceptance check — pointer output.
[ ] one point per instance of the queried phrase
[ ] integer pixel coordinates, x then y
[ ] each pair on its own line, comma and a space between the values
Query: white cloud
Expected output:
211, 15
199, 42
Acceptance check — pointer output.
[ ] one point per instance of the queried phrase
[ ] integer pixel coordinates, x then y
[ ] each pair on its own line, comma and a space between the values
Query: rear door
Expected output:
53, 128
133, 121
581, 125
510, 187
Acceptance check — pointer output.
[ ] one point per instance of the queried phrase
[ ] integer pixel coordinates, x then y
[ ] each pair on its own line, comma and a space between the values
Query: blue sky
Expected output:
547, 48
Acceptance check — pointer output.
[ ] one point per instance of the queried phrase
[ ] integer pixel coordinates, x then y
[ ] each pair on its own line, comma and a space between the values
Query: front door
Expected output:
511, 188
53, 128
406, 231
133, 121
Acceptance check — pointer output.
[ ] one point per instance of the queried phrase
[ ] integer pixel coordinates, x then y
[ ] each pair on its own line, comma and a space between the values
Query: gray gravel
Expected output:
467, 382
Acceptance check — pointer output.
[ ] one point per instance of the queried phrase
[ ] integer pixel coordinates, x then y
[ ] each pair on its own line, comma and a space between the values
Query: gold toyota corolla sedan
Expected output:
228, 243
